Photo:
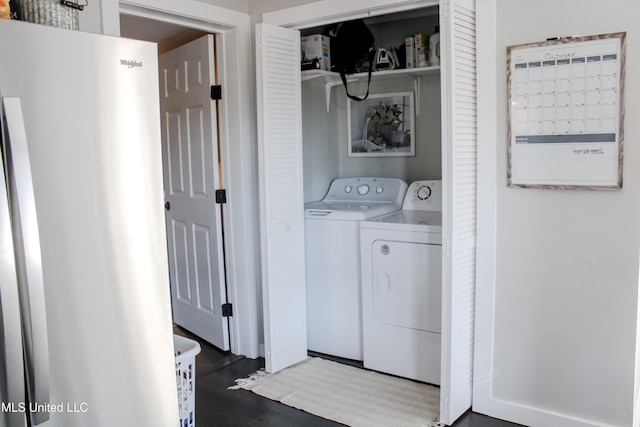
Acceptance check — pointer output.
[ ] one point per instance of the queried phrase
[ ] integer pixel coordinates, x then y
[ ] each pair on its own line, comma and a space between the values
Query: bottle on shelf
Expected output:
434, 47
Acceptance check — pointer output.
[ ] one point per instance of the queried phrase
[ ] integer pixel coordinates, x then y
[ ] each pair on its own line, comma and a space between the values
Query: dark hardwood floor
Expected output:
216, 370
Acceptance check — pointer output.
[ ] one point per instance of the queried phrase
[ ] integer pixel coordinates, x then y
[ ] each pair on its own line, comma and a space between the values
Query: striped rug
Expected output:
349, 395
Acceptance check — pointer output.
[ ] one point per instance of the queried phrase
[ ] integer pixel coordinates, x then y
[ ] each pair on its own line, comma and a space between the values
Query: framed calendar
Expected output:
566, 113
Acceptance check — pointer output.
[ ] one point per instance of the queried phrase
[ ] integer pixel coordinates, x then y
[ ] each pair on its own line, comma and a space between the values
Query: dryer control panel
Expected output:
423, 196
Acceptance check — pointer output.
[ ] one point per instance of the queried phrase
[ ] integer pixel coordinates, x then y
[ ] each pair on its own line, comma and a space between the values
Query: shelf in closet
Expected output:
332, 79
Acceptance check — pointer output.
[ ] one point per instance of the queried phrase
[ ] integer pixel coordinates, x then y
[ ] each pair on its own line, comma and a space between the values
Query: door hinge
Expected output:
446, 247
445, 9
445, 404
227, 309
216, 92
221, 196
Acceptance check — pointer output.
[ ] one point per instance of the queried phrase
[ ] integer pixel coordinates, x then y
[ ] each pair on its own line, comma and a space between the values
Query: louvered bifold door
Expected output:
458, 47
281, 195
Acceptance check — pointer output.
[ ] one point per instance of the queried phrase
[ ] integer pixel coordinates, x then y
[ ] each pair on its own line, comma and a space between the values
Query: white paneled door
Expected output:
191, 177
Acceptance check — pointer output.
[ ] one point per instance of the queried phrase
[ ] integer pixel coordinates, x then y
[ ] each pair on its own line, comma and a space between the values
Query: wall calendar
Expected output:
566, 113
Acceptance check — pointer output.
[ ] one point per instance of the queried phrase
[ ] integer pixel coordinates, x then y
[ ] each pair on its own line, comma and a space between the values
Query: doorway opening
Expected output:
192, 175
232, 30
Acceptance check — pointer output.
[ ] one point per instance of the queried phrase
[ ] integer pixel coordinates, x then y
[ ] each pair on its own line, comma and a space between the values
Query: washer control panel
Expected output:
424, 196
383, 190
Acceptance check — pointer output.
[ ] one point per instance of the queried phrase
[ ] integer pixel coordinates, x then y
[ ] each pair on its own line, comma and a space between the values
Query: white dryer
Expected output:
402, 286
332, 245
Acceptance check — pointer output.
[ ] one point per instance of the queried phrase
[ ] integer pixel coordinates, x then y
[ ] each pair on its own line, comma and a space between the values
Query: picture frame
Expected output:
382, 126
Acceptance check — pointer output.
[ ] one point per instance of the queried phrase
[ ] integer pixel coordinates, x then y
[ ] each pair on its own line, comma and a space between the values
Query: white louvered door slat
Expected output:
281, 195
459, 221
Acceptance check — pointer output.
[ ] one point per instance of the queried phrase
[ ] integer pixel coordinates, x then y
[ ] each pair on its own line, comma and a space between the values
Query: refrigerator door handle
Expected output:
28, 260
13, 390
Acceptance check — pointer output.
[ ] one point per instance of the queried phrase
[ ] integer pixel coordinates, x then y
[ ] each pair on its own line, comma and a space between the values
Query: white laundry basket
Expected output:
185, 352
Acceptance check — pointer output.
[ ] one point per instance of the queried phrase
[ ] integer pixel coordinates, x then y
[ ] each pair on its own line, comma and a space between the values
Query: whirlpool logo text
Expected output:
131, 63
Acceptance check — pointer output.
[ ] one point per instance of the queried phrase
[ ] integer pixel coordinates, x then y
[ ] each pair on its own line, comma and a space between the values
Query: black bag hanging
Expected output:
352, 42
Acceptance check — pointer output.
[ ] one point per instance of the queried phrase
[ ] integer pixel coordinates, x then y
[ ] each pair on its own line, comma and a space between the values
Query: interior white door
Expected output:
191, 177
458, 77
281, 195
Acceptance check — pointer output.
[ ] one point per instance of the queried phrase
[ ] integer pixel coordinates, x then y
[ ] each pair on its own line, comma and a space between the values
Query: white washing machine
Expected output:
332, 243
402, 286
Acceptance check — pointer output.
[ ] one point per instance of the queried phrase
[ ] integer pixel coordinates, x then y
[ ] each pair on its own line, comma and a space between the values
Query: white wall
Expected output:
320, 140
237, 5
560, 341
258, 7
89, 20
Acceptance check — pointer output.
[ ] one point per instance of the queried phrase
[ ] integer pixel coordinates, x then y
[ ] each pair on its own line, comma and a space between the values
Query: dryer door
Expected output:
407, 284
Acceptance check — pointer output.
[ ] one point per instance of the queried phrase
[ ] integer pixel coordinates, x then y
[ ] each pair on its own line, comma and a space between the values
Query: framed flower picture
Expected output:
382, 125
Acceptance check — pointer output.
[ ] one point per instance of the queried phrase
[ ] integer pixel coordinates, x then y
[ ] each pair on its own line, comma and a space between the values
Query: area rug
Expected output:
348, 395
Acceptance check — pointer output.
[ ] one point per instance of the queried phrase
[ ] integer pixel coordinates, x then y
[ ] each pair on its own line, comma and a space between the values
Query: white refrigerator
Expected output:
86, 330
